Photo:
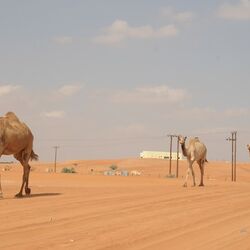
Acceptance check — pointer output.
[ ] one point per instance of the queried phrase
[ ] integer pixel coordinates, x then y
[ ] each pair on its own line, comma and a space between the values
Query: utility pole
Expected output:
177, 161
170, 156
55, 147
233, 139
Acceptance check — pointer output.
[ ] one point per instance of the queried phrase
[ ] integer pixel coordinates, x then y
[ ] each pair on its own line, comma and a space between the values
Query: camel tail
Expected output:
33, 156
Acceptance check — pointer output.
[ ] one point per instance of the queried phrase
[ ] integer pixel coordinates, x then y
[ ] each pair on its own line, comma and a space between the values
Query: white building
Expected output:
160, 155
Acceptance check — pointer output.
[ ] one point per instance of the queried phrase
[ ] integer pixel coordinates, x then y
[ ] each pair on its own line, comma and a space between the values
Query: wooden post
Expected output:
233, 139
177, 161
55, 147
170, 156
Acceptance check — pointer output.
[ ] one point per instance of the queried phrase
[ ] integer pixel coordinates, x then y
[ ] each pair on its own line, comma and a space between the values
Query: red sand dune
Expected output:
88, 210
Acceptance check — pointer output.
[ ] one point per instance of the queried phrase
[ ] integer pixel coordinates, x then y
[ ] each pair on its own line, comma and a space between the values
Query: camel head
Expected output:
182, 139
248, 147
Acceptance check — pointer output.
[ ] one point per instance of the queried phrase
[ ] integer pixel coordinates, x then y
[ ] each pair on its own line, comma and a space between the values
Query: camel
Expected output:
16, 139
196, 151
248, 147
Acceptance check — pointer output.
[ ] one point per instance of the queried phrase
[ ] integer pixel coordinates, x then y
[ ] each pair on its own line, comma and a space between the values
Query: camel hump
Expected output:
192, 141
196, 139
12, 116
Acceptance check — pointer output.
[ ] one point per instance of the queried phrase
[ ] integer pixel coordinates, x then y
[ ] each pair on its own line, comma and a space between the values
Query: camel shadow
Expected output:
38, 195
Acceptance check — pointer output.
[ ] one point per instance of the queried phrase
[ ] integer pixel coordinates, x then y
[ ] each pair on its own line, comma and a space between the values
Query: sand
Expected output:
88, 210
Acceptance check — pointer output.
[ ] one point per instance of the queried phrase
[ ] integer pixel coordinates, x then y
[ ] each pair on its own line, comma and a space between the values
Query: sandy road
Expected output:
112, 212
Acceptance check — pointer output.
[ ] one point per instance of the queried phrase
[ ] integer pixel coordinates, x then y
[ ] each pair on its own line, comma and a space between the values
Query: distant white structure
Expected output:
160, 155
135, 172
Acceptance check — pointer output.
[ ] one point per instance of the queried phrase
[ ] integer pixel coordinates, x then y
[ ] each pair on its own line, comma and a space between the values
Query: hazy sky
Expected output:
109, 79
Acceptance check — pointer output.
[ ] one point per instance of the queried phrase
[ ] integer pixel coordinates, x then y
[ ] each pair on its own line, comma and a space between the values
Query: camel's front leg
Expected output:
193, 175
190, 169
201, 165
186, 179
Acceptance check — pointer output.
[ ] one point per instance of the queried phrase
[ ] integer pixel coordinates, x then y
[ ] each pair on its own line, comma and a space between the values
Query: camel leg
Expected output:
1, 192
201, 165
26, 170
187, 175
25, 181
190, 169
20, 194
27, 189
193, 175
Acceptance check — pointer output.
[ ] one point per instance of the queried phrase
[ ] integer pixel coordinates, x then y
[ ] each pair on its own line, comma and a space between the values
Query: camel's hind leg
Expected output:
1, 191
27, 189
23, 158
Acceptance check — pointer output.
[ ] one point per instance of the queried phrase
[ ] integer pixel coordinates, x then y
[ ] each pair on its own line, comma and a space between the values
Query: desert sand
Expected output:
88, 210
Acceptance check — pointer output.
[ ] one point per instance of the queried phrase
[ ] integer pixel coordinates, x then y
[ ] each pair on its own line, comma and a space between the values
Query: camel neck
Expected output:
184, 150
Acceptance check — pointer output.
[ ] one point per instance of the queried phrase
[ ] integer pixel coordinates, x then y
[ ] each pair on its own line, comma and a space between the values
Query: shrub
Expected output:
113, 167
68, 170
170, 176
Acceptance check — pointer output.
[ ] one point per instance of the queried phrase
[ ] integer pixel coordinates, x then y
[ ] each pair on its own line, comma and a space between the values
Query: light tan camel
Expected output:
195, 151
248, 147
16, 139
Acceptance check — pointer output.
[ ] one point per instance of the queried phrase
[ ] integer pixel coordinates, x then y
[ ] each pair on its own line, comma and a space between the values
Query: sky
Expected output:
109, 79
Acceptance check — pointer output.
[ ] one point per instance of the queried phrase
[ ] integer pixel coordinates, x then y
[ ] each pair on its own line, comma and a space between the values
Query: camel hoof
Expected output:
27, 191
19, 195
201, 185
185, 185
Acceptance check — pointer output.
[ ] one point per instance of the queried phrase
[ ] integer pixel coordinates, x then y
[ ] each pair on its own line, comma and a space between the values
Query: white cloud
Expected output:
239, 11
120, 30
7, 89
54, 114
234, 112
63, 40
156, 94
69, 90
134, 129
173, 15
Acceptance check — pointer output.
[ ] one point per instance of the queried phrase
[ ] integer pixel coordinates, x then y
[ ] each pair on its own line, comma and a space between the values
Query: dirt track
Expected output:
91, 211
